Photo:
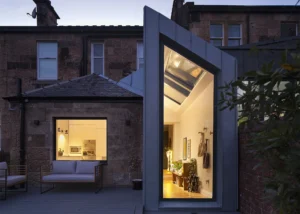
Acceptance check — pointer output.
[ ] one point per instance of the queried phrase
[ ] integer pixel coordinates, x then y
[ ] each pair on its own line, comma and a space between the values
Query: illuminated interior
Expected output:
81, 139
188, 128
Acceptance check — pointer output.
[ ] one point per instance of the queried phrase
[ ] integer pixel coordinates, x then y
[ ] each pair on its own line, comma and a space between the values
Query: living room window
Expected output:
97, 58
289, 29
47, 61
234, 35
140, 55
216, 34
81, 139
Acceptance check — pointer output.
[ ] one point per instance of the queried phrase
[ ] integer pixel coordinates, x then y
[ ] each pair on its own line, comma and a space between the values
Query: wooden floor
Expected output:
171, 190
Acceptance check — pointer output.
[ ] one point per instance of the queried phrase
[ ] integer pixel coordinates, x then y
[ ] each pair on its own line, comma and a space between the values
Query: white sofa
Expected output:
12, 175
73, 172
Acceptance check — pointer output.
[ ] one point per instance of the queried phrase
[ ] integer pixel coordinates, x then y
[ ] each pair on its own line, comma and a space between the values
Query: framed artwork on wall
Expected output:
189, 146
184, 156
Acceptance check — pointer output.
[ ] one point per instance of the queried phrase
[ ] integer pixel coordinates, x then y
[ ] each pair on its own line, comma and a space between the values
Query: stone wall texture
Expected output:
18, 59
124, 140
262, 26
251, 187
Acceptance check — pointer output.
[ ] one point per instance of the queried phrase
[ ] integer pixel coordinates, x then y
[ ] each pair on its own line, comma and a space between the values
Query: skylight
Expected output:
180, 77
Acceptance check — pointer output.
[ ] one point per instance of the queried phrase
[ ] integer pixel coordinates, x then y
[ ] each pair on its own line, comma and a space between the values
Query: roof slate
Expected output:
88, 86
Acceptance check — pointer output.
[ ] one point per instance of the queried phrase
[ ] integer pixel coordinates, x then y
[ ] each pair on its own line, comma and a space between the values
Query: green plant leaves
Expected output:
269, 106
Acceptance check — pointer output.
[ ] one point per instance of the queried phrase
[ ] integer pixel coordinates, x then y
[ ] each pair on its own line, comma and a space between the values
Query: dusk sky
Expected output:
103, 12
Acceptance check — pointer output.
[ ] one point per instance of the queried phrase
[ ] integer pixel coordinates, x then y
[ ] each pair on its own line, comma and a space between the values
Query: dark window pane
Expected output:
288, 29
216, 31
47, 69
234, 42
216, 42
98, 50
98, 66
234, 31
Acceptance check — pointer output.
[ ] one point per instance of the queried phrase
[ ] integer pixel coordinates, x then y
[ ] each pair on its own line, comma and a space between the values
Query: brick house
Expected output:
27, 53
230, 25
81, 52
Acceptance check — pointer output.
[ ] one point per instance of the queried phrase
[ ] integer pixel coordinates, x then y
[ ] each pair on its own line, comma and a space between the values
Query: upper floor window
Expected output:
97, 59
47, 61
140, 55
216, 34
289, 29
234, 35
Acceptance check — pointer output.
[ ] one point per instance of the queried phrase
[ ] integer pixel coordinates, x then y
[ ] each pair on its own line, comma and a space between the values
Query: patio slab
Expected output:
74, 200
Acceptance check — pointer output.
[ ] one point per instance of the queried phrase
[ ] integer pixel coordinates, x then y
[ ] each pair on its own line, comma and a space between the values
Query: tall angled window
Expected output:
47, 61
188, 121
216, 34
140, 55
97, 58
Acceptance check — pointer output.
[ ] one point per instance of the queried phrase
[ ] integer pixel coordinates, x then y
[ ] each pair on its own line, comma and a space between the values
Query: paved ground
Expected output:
74, 200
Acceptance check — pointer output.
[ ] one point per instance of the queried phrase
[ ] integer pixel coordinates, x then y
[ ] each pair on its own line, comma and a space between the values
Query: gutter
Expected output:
22, 123
77, 99
83, 71
248, 28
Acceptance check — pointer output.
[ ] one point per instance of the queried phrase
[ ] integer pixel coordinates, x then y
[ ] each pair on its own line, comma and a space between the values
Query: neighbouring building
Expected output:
231, 25
48, 54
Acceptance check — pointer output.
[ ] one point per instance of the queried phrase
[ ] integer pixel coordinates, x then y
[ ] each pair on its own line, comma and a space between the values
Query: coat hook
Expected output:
205, 129
211, 132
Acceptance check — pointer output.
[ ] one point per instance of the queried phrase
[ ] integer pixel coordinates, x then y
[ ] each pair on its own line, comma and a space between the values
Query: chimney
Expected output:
46, 15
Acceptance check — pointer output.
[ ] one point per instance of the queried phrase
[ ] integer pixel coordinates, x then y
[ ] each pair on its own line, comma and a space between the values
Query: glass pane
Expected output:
234, 42
187, 154
216, 30
98, 50
47, 50
98, 66
173, 94
141, 63
216, 42
81, 139
234, 31
140, 50
47, 69
181, 70
288, 29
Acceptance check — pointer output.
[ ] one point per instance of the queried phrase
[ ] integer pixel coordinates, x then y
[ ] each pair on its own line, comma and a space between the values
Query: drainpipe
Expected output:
83, 72
248, 28
22, 123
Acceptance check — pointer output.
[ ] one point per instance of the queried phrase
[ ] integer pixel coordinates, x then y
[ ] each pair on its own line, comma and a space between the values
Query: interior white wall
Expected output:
192, 119
62, 138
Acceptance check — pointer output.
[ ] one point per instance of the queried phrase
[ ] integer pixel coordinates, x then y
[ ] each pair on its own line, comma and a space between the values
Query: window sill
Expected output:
44, 82
189, 205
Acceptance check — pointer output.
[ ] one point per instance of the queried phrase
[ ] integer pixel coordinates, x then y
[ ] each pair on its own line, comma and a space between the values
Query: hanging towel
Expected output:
206, 160
202, 146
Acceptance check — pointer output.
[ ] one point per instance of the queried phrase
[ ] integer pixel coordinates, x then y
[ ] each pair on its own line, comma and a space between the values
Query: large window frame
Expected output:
97, 57
165, 41
47, 57
235, 38
54, 119
212, 38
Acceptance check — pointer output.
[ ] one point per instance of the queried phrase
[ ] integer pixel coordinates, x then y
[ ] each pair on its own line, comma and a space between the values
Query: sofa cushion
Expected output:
86, 167
3, 165
64, 167
14, 179
69, 178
